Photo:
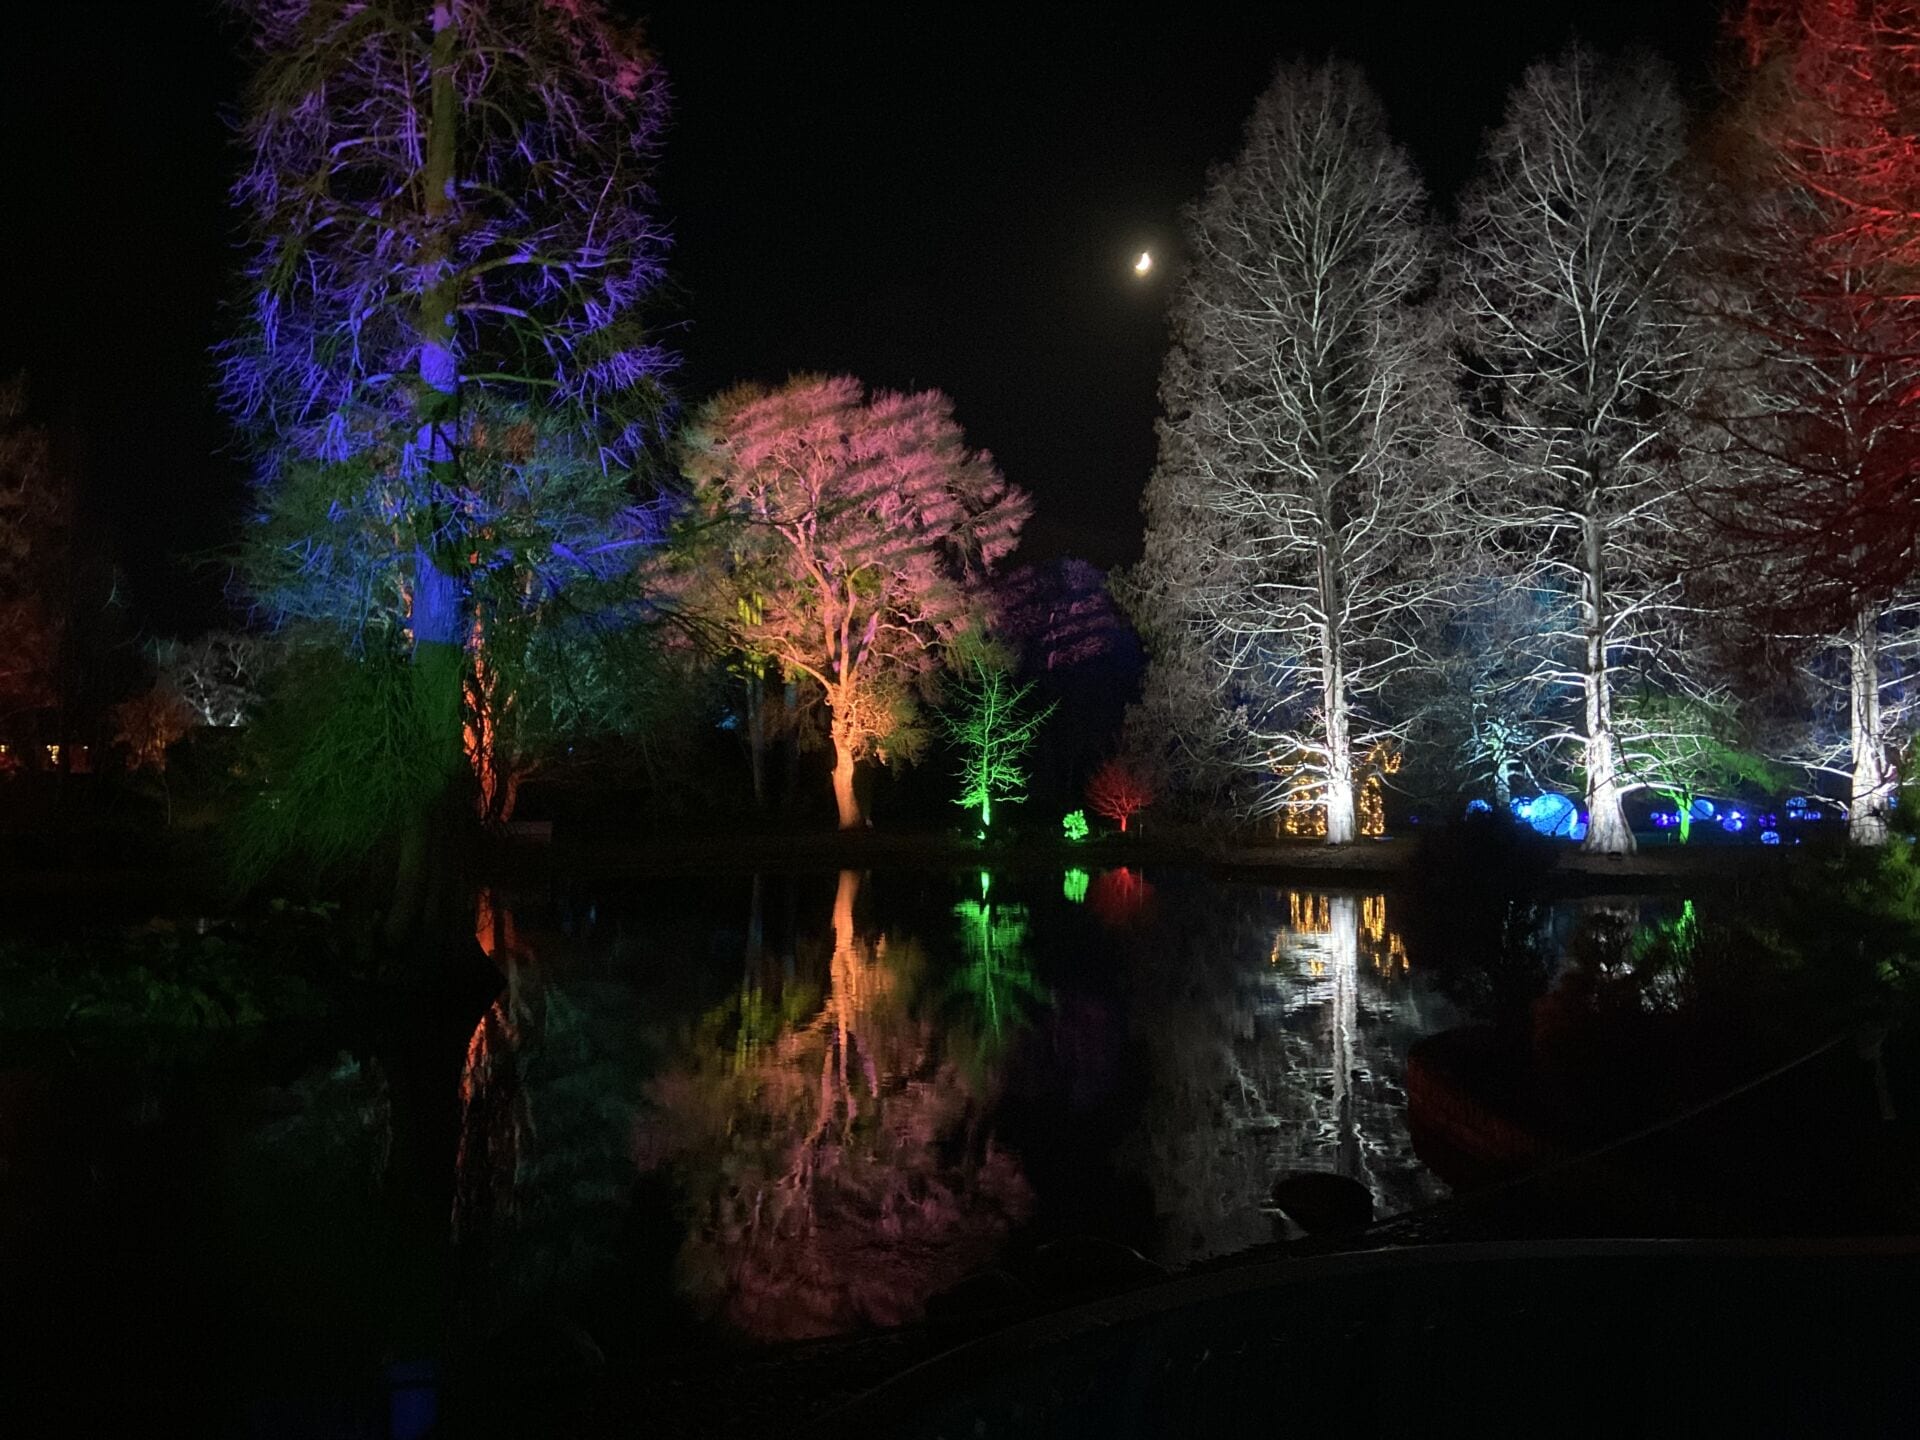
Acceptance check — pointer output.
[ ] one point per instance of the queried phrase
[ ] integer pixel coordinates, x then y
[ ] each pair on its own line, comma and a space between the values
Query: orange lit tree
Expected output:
860, 535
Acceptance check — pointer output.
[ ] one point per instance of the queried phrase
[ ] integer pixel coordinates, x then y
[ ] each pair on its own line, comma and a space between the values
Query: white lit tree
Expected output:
1296, 515
1581, 362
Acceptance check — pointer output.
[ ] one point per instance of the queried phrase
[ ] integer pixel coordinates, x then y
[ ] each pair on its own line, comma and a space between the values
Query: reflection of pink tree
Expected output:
826, 1192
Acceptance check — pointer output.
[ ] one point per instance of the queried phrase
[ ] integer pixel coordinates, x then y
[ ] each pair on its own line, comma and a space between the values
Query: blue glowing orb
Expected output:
1551, 814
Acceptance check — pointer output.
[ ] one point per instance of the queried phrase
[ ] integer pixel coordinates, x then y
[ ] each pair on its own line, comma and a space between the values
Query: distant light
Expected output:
1144, 263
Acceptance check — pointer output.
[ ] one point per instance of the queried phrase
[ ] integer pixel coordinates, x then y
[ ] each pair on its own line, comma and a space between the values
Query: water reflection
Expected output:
832, 1121
1278, 1047
998, 979
834, 1159
1121, 898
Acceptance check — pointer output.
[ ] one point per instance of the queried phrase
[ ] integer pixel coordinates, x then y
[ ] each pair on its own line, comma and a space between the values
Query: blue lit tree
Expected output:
440, 363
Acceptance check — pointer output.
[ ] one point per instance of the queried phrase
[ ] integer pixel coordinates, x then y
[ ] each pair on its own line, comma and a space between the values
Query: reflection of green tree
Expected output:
1073, 885
828, 1149
998, 976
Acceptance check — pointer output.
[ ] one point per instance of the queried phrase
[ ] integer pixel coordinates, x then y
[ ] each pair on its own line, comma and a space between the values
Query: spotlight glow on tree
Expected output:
867, 532
1567, 295
990, 724
1119, 791
441, 368
1296, 508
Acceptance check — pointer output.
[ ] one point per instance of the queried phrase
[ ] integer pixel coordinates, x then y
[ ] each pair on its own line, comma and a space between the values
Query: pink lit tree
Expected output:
1119, 790
860, 537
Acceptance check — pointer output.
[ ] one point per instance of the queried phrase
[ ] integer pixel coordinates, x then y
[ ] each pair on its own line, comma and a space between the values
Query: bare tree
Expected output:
1580, 364
218, 676
1294, 514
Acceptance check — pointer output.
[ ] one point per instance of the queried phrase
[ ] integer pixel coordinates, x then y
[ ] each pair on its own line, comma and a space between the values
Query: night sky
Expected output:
921, 196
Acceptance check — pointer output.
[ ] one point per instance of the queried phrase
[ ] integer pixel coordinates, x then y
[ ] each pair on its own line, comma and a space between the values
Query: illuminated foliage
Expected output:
1074, 825
1681, 749
990, 724
864, 533
441, 367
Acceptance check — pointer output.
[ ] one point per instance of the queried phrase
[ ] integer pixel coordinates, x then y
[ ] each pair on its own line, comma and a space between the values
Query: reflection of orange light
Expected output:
1309, 914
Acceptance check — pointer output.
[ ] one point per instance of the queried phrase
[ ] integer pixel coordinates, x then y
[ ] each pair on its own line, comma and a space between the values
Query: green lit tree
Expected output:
992, 725
1681, 748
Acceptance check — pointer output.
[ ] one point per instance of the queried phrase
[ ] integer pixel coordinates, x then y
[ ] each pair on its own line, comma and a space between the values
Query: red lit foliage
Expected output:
1119, 791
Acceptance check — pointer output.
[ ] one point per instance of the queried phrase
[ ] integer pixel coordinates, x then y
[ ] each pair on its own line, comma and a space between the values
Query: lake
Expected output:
720, 1110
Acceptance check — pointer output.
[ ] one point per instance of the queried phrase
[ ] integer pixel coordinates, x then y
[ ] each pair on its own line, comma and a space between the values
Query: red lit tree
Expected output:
33, 535
1119, 791
859, 537
1813, 420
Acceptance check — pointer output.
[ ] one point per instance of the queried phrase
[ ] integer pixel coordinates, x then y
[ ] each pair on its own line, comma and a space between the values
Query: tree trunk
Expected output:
1341, 819
1607, 829
425, 883
757, 735
845, 794
1870, 795
1339, 796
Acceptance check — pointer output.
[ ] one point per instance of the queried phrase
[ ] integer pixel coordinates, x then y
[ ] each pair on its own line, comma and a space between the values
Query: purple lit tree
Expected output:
440, 362
858, 538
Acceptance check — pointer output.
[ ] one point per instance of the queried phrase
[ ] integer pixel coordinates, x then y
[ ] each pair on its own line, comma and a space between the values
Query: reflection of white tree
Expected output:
820, 1164
1281, 1050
